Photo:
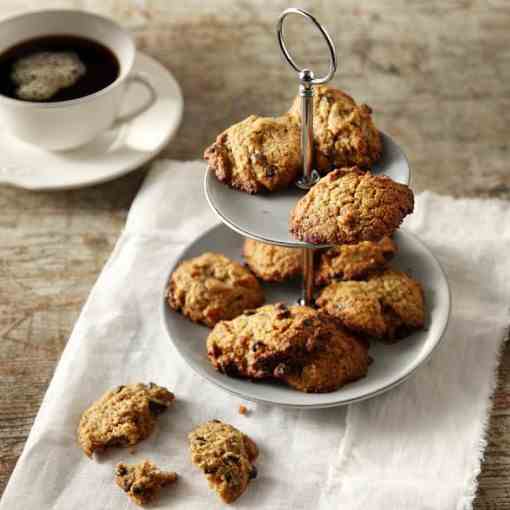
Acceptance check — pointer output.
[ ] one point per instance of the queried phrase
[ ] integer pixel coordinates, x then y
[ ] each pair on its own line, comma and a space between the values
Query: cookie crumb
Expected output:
243, 410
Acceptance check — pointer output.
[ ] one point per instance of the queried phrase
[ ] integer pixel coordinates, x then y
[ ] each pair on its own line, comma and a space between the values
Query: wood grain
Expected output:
436, 74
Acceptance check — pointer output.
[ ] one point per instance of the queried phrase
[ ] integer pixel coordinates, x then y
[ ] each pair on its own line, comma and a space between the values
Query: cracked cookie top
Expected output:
348, 206
257, 154
211, 287
344, 134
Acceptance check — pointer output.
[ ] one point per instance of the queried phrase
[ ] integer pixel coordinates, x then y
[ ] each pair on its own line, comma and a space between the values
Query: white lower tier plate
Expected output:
392, 364
265, 216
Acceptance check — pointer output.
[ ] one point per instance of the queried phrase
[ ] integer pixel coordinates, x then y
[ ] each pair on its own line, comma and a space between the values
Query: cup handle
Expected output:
142, 79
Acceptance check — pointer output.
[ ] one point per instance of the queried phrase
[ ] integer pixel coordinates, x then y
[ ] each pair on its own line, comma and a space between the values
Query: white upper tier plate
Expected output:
392, 363
265, 216
117, 151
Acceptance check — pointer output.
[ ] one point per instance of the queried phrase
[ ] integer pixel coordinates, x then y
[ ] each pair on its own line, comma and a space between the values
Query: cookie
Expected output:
143, 481
226, 457
211, 287
272, 263
344, 134
254, 344
352, 261
388, 305
342, 359
257, 154
348, 206
122, 417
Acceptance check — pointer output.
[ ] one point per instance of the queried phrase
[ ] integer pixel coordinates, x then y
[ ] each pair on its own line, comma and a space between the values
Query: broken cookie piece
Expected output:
122, 417
142, 482
226, 457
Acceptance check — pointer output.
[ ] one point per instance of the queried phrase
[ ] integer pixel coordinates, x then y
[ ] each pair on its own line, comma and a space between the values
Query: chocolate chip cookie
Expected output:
342, 359
388, 305
348, 206
344, 134
122, 417
353, 261
226, 457
211, 287
143, 481
272, 263
256, 342
257, 154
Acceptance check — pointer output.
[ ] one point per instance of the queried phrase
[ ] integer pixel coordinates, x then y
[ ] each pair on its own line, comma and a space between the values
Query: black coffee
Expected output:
56, 68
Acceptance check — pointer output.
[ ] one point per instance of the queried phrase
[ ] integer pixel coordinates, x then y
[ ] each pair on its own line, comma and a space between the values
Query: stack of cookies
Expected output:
350, 209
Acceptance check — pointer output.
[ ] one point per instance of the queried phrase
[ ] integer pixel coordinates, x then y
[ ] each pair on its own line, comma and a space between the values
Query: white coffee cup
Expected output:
64, 125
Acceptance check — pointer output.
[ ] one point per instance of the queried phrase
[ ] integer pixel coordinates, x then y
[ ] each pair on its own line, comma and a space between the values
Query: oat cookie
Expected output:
344, 134
122, 417
348, 206
254, 344
211, 287
352, 261
226, 457
272, 263
143, 481
343, 359
257, 154
388, 305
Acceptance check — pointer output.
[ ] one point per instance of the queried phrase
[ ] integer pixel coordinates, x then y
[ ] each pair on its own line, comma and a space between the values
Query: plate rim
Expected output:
208, 178
132, 166
224, 386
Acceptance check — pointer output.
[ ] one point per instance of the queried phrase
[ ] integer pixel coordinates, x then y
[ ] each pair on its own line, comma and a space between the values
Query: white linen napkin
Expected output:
416, 447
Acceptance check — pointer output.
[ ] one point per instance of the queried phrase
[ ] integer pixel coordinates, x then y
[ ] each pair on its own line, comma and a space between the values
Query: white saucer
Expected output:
392, 364
265, 216
114, 153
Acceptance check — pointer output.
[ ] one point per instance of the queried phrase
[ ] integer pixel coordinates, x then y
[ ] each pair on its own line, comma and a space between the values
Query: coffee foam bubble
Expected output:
40, 76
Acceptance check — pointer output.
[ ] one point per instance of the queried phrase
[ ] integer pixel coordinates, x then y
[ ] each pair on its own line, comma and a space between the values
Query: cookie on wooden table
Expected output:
226, 457
122, 417
353, 261
257, 154
142, 482
388, 305
211, 287
253, 344
270, 262
344, 134
348, 206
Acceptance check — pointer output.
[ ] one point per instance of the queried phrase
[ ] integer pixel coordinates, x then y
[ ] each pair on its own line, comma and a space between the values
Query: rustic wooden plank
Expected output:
435, 72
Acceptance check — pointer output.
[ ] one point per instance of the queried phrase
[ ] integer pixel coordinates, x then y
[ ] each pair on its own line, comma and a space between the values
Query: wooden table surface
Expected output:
435, 72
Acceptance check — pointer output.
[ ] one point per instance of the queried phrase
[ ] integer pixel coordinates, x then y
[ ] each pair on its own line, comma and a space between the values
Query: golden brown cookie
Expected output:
342, 359
143, 481
226, 457
255, 343
122, 417
344, 134
348, 206
388, 305
352, 261
211, 287
272, 263
257, 154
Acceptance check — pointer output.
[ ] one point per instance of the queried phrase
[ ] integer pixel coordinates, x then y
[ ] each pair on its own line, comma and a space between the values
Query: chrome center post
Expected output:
310, 176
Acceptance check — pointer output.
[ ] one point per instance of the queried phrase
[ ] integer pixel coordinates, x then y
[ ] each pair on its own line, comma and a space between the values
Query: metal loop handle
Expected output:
287, 55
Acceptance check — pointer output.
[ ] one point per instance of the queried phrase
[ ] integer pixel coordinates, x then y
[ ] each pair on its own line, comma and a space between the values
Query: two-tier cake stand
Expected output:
265, 217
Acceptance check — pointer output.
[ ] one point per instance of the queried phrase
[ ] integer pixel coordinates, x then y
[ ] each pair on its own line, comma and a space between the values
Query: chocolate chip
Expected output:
121, 470
137, 489
280, 369
216, 421
156, 407
257, 345
253, 473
